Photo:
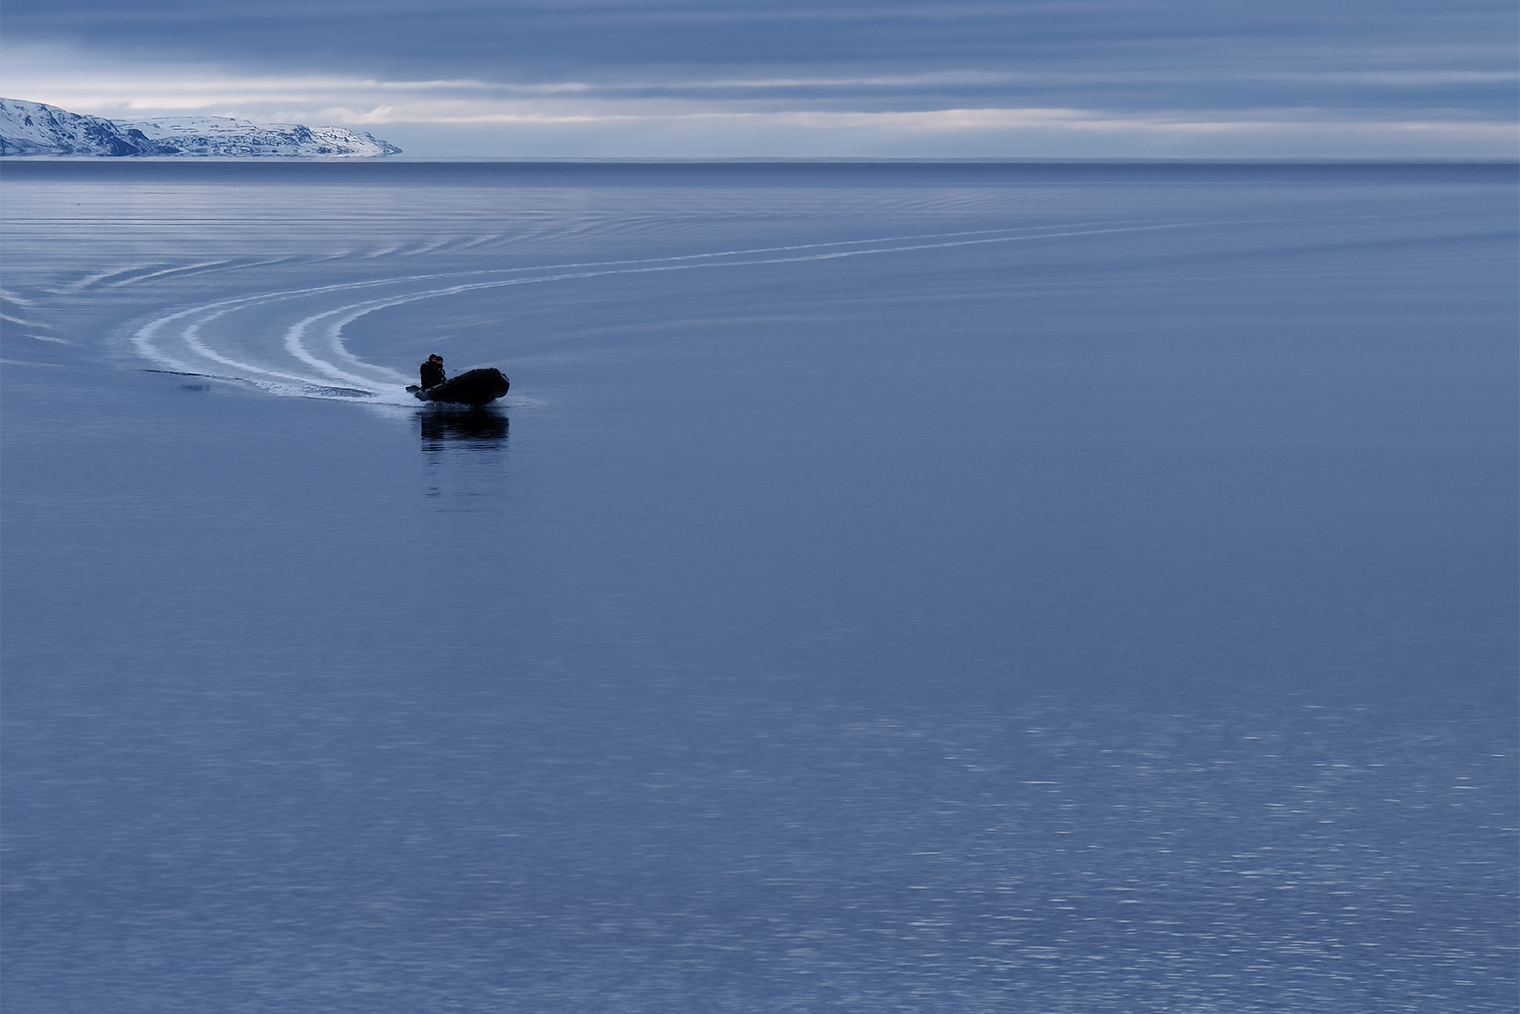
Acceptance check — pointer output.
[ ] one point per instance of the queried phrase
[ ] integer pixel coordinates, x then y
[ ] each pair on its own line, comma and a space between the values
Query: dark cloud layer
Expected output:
1153, 52
1188, 75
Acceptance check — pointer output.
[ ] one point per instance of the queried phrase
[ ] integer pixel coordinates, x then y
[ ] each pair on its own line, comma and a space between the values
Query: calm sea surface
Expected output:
963, 588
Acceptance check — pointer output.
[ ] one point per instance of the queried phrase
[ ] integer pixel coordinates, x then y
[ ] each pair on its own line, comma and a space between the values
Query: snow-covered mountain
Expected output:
32, 128
222, 135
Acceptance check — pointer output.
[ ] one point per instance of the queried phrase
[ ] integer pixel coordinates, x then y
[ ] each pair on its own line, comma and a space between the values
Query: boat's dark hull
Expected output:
476, 387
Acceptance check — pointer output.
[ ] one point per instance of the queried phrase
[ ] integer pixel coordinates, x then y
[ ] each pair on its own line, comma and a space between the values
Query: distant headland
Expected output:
34, 128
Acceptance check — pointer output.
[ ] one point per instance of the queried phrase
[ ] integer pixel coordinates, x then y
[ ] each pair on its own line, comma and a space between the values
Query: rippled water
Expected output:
897, 587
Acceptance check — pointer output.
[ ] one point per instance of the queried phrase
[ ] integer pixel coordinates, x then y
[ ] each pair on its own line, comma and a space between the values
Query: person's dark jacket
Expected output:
432, 374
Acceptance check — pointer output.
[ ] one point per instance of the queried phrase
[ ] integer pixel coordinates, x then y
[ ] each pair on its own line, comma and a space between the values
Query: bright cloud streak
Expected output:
822, 115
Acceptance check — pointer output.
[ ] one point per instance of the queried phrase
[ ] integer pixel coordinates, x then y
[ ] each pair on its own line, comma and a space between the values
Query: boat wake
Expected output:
291, 342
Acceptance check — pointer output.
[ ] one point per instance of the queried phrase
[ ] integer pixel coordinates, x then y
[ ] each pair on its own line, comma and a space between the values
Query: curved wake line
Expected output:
188, 327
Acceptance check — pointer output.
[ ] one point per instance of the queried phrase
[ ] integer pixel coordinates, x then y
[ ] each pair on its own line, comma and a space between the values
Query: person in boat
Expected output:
432, 372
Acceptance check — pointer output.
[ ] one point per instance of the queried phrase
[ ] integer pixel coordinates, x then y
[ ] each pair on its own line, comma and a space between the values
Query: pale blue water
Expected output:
885, 588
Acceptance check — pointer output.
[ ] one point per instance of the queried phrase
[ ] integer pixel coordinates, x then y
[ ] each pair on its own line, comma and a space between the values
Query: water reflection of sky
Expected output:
1109, 620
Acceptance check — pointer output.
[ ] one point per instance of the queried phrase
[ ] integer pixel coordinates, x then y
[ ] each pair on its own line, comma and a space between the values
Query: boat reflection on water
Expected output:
477, 425
463, 451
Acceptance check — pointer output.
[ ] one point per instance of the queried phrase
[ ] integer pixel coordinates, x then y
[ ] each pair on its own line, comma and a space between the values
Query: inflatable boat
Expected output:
475, 387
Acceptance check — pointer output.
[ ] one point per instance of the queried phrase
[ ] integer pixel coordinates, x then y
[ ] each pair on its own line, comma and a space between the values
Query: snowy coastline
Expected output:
36, 129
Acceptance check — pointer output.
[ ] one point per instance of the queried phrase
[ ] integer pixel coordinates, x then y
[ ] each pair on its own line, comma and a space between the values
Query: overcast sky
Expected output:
783, 78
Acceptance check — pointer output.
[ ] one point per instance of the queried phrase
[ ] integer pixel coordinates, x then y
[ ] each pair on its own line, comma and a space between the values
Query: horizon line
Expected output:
757, 160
